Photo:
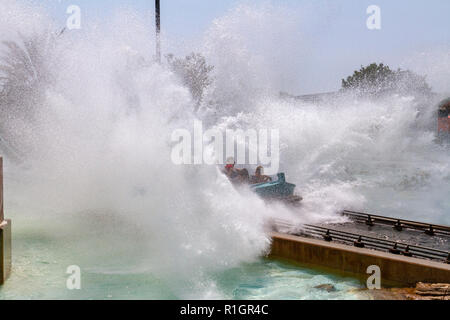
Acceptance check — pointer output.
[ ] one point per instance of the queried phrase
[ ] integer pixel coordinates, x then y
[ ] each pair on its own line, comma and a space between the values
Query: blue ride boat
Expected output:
277, 190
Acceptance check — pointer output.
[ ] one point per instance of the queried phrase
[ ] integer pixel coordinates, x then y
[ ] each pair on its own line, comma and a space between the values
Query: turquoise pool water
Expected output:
40, 262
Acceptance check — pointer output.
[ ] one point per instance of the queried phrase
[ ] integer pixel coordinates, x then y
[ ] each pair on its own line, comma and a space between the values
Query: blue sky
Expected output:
337, 37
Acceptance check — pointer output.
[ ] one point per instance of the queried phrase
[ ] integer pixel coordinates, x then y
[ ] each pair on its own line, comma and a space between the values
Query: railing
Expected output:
362, 241
397, 224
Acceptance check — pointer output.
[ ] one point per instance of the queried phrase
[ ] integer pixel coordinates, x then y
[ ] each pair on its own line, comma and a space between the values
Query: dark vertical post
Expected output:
5, 236
2, 217
158, 30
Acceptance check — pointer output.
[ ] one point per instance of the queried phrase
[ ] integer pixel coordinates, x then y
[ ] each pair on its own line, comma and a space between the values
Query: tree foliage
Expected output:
194, 72
25, 73
378, 79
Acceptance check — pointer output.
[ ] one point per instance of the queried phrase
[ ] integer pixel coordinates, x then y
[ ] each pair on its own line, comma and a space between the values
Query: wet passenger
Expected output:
259, 177
235, 175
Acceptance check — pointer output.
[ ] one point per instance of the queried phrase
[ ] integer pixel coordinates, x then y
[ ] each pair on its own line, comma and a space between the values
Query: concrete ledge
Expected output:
5, 251
348, 260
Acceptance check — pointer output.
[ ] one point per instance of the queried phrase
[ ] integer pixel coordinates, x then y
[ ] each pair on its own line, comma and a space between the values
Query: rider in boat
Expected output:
235, 175
259, 177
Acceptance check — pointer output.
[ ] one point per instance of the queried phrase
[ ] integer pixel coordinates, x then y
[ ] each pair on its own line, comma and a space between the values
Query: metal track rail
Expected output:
362, 241
397, 224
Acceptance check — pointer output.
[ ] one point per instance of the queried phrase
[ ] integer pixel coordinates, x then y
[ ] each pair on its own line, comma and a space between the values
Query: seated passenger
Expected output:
259, 177
235, 175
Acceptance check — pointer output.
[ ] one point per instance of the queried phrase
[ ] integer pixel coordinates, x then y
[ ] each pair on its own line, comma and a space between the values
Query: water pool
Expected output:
40, 262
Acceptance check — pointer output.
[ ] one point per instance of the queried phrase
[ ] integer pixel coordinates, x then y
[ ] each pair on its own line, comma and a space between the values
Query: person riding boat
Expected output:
278, 190
235, 175
259, 177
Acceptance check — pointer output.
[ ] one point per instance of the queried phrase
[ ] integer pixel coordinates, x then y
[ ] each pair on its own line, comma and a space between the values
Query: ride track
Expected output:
360, 240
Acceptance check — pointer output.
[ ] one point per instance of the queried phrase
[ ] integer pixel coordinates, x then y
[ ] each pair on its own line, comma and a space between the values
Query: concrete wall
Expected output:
5, 251
352, 261
5, 236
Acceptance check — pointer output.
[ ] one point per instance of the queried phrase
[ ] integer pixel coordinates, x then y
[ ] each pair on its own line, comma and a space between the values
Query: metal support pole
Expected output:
2, 216
158, 30
5, 236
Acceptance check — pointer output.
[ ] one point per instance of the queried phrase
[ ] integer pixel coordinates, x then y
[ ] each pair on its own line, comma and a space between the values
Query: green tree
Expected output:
194, 72
25, 73
378, 79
